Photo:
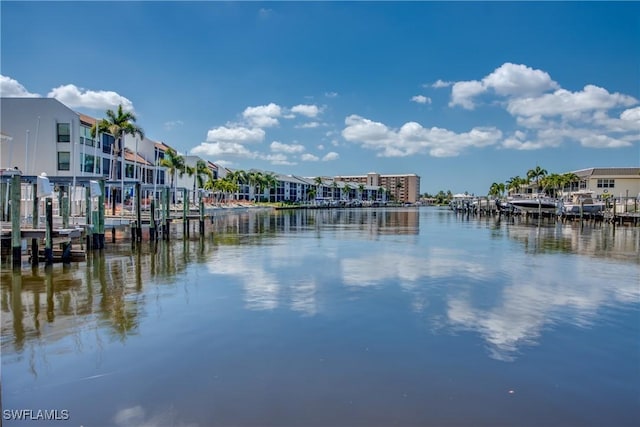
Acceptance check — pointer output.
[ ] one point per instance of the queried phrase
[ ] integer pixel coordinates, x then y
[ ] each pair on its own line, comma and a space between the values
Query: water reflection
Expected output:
49, 303
318, 309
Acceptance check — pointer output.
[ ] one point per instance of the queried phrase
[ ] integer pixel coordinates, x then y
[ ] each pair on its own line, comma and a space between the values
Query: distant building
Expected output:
401, 188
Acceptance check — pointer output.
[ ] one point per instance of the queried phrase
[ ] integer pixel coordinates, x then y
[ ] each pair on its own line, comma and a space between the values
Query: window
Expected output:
64, 133
106, 167
87, 164
64, 160
606, 183
107, 142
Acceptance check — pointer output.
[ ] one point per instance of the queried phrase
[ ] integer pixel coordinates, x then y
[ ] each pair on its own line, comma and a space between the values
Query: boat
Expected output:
533, 204
583, 201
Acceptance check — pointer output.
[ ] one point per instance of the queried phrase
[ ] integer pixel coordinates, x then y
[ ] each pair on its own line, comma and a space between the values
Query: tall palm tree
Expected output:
269, 181
536, 175
118, 124
175, 164
201, 171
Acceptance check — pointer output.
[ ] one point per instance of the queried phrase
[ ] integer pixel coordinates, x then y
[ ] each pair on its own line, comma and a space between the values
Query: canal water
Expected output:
363, 317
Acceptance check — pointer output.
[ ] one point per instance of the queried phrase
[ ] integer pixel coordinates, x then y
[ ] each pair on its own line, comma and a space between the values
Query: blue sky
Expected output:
462, 94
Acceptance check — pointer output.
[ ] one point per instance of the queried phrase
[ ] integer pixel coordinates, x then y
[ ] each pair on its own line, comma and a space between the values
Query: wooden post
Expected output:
34, 214
201, 209
185, 213
65, 211
100, 222
16, 237
89, 220
112, 192
152, 224
3, 196
48, 233
138, 212
167, 213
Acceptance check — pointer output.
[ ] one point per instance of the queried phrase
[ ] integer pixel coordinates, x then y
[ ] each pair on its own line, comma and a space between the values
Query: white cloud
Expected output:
320, 147
286, 148
632, 114
213, 149
277, 159
412, 138
421, 99
263, 116
235, 134
306, 157
331, 94
463, 92
306, 110
171, 125
519, 80
330, 156
569, 104
553, 116
510, 80
309, 125
440, 84
74, 97
10, 88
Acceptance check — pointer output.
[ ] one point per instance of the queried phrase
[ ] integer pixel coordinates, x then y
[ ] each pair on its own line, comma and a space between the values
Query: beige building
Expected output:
402, 188
618, 182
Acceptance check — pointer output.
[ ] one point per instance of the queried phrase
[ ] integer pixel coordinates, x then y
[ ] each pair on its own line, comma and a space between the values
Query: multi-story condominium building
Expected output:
401, 188
47, 136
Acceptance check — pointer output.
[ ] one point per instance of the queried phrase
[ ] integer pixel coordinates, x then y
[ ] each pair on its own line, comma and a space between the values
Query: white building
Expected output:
47, 136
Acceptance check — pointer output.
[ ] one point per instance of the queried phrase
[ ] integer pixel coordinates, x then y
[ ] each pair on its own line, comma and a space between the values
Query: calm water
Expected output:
335, 318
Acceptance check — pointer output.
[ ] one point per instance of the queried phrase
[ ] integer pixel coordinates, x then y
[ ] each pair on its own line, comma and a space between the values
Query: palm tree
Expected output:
382, 191
514, 184
552, 182
496, 189
238, 177
175, 163
569, 178
318, 182
269, 181
536, 174
202, 171
311, 193
361, 190
118, 124
334, 185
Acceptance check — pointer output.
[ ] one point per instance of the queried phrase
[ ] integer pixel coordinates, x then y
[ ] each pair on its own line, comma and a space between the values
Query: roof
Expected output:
87, 119
583, 173
130, 156
162, 146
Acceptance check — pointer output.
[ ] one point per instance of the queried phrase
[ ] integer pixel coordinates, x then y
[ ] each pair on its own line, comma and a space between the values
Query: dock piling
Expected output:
34, 213
16, 241
152, 224
48, 234
138, 229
